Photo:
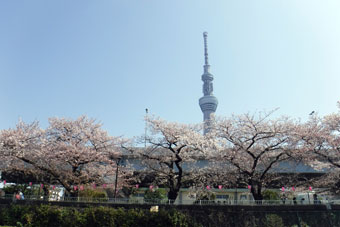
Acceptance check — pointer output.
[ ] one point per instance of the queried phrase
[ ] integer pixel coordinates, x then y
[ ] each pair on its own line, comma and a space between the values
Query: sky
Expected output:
111, 59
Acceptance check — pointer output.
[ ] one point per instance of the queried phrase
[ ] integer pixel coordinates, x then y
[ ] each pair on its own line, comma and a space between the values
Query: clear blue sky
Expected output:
111, 59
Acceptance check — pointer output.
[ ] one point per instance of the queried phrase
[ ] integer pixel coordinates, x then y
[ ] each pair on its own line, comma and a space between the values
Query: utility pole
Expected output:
146, 126
116, 181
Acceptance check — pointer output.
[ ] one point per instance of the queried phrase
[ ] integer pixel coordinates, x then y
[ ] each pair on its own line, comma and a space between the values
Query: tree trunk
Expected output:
73, 194
172, 195
258, 197
46, 192
256, 191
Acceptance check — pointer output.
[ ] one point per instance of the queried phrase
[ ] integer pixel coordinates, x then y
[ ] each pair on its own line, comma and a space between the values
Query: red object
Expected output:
208, 187
137, 185
293, 189
41, 185
81, 187
75, 187
283, 189
310, 188
150, 187
249, 187
53, 187
30, 183
4, 182
220, 187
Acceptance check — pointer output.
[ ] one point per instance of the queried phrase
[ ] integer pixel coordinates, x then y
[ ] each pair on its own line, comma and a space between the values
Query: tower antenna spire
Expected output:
208, 102
205, 36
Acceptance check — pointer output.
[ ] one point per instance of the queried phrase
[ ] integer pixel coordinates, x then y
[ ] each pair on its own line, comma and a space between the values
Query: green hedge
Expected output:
45, 215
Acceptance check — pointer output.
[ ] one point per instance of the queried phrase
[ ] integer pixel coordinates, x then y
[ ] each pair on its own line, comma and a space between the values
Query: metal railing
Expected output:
172, 202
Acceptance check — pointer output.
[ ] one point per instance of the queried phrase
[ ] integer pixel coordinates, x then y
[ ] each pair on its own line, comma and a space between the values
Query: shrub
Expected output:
13, 214
206, 196
25, 189
155, 195
71, 217
273, 220
95, 195
46, 215
271, 195
99, 216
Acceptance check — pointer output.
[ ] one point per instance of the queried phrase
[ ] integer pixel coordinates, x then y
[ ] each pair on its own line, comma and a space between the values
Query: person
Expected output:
21, 195
17, 196
302, 200
2, 193
284, 199
294, 201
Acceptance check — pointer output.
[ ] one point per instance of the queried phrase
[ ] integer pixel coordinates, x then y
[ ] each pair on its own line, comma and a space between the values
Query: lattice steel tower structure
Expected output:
208, 102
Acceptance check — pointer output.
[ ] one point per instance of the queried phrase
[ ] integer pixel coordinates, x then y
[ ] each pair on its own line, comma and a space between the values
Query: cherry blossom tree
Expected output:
79, 150
170, 154
254, 147
71, 152
320, 147
21, 153
17, 143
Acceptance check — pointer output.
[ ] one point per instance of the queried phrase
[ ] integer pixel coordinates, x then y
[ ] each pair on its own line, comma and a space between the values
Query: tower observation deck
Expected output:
208, 102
